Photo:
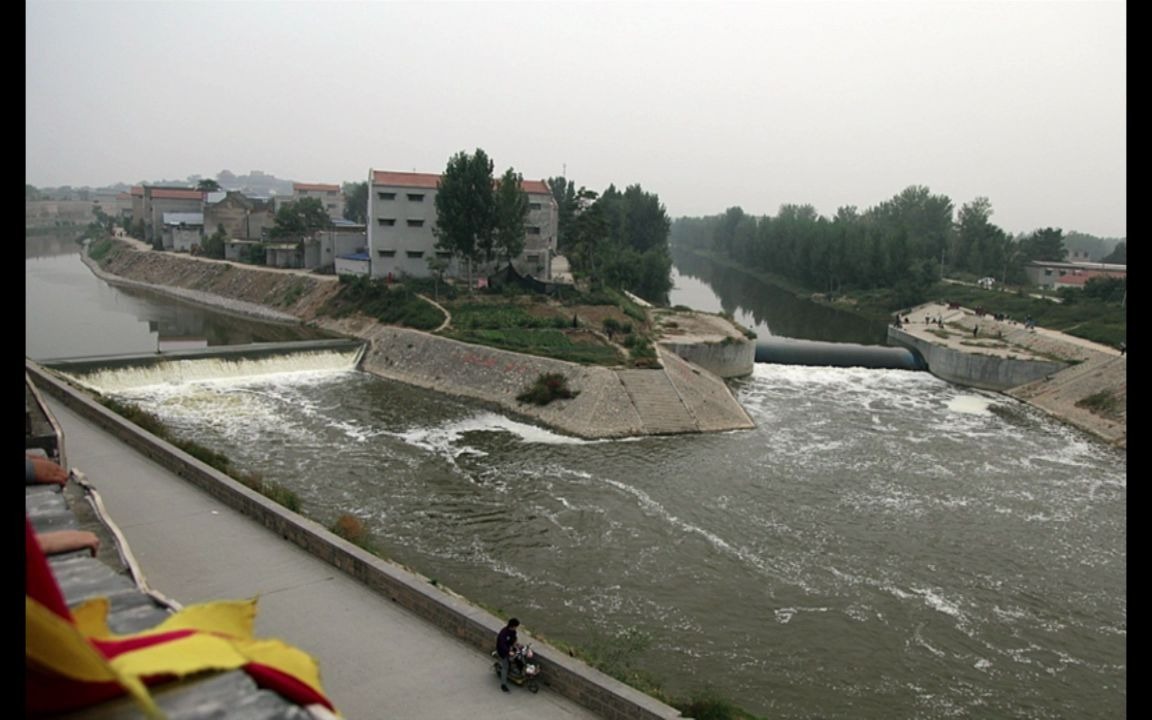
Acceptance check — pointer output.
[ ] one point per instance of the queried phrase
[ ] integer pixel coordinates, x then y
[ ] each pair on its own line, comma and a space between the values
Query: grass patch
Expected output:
99, 249
352, 529
708, 704
1104, 403
545, 343
396, 305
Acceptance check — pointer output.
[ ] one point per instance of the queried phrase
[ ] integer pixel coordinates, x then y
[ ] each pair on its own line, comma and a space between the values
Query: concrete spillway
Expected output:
111, 373
789, 351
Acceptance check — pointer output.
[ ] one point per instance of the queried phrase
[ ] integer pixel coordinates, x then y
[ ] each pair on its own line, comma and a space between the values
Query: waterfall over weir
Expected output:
113, 374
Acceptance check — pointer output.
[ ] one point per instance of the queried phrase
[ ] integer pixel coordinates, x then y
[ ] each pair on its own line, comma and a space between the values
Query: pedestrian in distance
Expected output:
505, 646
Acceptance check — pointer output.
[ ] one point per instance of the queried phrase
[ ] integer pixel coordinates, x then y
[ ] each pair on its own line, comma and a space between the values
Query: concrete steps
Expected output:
659, 405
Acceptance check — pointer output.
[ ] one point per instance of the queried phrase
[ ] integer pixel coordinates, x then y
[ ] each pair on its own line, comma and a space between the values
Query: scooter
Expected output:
523, 668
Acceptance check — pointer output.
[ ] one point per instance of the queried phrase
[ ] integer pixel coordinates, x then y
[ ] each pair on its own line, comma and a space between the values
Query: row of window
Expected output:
414, 254
419, 197
391, 222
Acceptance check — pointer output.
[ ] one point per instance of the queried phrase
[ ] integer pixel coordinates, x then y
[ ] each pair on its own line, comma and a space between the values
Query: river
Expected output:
882, 545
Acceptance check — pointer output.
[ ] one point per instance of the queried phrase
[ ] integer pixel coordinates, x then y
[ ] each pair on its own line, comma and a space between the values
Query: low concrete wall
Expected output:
567, 676
982, 371
726, 359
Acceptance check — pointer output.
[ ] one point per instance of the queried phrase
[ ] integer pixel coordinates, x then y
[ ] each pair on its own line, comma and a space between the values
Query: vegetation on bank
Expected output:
389, 304
546, 388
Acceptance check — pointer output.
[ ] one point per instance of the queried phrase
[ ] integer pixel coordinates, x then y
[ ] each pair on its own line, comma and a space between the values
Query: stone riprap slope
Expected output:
692, 399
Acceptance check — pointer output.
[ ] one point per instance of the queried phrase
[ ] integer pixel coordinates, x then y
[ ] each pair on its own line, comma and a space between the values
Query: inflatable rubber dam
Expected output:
790, 351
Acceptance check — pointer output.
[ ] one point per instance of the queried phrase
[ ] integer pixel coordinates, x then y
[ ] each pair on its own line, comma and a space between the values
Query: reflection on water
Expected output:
68, 312
768, 310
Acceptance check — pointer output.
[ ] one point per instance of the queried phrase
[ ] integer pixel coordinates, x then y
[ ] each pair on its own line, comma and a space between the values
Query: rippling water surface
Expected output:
884, 544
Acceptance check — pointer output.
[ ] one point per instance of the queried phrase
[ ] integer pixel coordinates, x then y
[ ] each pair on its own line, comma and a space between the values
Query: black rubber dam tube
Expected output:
789, 351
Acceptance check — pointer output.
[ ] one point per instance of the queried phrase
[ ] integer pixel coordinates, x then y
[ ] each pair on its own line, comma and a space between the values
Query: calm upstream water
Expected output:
882, 545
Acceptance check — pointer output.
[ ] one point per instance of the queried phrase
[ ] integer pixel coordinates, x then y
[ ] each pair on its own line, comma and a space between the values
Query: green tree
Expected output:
980, 247
1118, 256
1046, 244
300, 219
208, 185
356, 201
466, 208
568, 205
214, 244
511, 212
437, 265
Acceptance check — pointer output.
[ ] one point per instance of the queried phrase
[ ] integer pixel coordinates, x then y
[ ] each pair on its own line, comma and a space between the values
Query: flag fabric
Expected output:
73, 660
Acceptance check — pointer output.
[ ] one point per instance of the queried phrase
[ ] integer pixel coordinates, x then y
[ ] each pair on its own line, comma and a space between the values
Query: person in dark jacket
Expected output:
505, 646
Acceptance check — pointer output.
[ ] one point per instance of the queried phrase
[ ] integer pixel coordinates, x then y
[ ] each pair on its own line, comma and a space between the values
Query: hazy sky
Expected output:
707, 104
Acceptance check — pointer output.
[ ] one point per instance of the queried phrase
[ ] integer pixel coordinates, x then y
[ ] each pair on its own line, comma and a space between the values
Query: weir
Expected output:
112, 373
790, 351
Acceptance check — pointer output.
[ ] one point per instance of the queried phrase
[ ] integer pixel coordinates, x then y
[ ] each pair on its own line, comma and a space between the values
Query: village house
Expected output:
330, 195
402, 221
242, 217
1053, 275
183, 232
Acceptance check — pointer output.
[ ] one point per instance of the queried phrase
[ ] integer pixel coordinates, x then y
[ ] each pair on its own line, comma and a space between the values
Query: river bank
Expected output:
1079, 382
679, 397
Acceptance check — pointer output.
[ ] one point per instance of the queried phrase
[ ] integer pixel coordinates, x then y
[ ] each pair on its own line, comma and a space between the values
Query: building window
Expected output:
533, 230
532, 258
416, 254
534, 206
386, 222
386, 253
386, 196
416, 197
415, 223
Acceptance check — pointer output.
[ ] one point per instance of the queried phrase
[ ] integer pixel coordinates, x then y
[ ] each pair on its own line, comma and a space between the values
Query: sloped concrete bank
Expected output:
1075, 381
611, 403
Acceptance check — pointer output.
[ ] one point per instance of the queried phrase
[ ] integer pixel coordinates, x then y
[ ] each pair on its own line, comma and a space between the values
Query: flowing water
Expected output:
882, 545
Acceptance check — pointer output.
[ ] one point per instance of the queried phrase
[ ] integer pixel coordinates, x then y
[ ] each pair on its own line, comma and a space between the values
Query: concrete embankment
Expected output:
1079, 382
678, 398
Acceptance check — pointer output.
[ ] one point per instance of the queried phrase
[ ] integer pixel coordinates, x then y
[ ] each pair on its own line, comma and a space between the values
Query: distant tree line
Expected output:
905, 243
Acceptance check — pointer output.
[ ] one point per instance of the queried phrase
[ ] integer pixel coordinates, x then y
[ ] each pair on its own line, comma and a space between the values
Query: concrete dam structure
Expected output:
111, 373
789, 351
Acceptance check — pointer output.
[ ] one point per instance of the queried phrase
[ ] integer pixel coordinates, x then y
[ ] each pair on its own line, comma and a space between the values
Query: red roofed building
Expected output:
1047, 274
160, 200
330, 195
402, 221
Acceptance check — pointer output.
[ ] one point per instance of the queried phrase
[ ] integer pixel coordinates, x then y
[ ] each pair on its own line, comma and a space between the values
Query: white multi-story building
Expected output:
330, 195
402, 221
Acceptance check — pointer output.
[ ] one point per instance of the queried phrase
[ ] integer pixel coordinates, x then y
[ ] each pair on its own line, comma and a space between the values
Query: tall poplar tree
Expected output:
511, 211
466, 208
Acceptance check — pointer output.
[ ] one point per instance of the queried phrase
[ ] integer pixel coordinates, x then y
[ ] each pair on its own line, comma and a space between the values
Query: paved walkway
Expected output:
377, 661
